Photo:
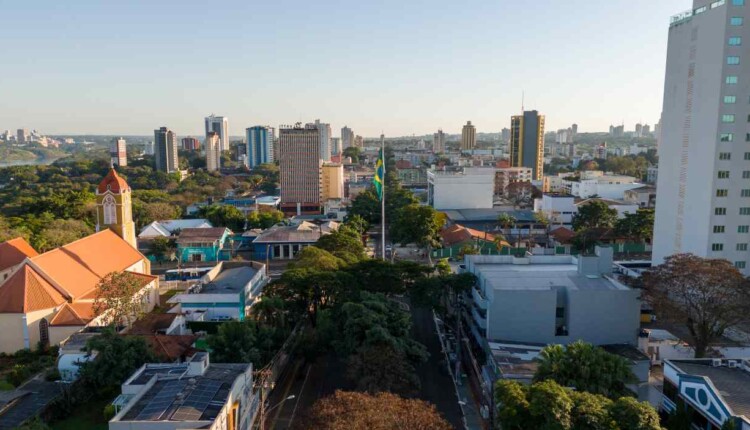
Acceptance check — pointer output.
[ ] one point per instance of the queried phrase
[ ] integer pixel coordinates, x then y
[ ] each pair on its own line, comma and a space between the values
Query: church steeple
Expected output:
114, 207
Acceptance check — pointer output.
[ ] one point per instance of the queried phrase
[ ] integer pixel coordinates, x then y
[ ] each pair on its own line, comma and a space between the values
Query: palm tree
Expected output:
506, 220
542, 218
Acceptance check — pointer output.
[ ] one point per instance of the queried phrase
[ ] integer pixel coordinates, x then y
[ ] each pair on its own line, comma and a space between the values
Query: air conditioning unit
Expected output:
732, 364
716, 362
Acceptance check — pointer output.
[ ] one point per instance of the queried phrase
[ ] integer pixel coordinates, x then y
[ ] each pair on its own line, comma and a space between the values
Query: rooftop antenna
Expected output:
522, 99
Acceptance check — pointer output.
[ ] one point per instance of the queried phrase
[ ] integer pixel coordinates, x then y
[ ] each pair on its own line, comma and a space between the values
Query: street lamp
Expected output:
265, 411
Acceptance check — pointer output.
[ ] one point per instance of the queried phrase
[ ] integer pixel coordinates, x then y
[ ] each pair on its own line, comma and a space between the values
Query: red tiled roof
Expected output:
112, 182
563, 234
457, 233
171, 347
27, 291
152, 323
14, 251
74, 314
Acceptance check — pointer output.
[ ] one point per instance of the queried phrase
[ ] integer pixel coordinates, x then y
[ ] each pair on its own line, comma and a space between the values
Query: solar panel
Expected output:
197, 401
161, 401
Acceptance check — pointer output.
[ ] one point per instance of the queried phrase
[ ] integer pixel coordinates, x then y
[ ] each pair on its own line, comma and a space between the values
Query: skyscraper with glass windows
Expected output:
259, 140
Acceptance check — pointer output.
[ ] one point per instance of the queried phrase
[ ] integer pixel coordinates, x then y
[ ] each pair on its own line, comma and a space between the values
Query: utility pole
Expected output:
459, 311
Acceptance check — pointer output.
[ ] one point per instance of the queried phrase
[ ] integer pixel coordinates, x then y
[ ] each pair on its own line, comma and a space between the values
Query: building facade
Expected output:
191, 144
331, 181
325, 139
299, 169
438, 142
505, 176
220, 125
118, 152
527, 142
336, 147
114, 207
347, 137
468, 136
165, 150
703, 153
259, 145
468, 188
213, 151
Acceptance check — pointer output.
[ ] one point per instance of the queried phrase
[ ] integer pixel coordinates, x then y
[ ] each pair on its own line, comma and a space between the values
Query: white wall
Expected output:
472, 190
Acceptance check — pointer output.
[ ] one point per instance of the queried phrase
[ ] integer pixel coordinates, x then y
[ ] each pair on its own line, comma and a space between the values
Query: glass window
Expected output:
746, 174
727, 118
723, 174
735, 41
745, 193
718, 229
735, 20
747, 137
720, 211
731, 79
739, 264
741, 247
725, 156
738, 2
717, 247
733, 60
721, 193
747, 156
743, 228
700, 10
730, 100
726, 137
744, 211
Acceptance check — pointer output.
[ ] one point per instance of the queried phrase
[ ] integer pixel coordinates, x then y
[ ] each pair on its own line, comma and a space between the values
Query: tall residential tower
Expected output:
259, 140
213, 152
118, 153
220, 125
165, 150
468, 137
527, 142
299, 169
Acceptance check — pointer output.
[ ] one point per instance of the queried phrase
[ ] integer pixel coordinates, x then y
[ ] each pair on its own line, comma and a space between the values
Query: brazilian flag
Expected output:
377, 180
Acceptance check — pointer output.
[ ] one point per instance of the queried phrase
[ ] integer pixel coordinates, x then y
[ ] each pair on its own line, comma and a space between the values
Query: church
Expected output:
45, 298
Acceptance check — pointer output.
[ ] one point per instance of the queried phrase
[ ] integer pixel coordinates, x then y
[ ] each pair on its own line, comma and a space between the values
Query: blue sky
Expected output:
403, 67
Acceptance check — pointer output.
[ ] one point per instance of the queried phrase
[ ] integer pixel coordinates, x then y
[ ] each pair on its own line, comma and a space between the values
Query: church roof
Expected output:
112, 182
14, 251
74, 314
79, 266
27, 291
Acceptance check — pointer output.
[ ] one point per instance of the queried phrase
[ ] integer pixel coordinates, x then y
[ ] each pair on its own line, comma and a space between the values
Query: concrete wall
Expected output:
522, 316
13, 330
60, 333
473, 190
604, 316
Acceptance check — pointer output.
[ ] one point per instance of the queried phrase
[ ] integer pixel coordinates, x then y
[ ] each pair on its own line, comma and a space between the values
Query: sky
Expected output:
400, 67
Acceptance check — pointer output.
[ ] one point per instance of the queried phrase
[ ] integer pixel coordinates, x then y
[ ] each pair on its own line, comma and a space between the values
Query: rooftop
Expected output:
515, 360
306, 232
733, 383
14, 251
487, 215
201, 234
230, 281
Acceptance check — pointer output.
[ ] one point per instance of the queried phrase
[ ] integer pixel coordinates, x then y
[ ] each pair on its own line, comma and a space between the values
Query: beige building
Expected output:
331, 181
468, 137
299, 169
213, 151
507, 175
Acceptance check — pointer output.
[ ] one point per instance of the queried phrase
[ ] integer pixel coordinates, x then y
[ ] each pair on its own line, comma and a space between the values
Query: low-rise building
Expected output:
455, 237
598, 184
559, 208
227, 292
412, 176
193, 395
283, 242
204, 244
644, 197
714, 391
467, 188
171, 227
508, 175
621, 206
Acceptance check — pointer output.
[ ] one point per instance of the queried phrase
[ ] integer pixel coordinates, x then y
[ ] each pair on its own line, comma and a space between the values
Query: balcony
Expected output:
480, 301
480, 321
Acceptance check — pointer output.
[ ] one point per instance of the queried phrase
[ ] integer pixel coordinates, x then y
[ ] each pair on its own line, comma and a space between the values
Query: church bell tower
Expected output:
114, 207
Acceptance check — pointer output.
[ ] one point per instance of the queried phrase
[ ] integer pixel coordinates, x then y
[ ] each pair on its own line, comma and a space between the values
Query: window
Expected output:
720, 211
717, 3
727, 118
735, 41
733, 60
731, 80
700, 10
717, 247
110, 210
726, 137
725, 156
747, 137
730, 100
723, 174
721, 193
741, 247
739, 264
745, 193
747, 156
743, 228
735, 20
744, 211
718, 229
738, 2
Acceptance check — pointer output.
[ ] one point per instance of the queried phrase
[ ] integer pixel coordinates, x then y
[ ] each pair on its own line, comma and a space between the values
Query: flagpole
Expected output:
382, 202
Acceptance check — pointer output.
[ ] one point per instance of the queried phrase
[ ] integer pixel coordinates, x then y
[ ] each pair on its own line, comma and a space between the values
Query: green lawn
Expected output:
5, 385
87, 416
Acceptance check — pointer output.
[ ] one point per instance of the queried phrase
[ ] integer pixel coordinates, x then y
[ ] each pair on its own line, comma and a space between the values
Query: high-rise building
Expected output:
259, 145
601, 151
213, 151
574, 127
23, 135
347, 137
438, 142
468, 137
299, 169
505, 135
325, 138
331, 181
191, 144
336, 148
220, 125
149, 148
359, 141
646, 130
527, 142
382, 140
704, 196
165, 150
639, 130
118, 153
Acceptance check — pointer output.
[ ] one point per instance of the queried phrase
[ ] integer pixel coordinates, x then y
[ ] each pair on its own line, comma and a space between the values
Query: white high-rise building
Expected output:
347, 137
220, 125
325, 139
118, 152
213, 152
704, 158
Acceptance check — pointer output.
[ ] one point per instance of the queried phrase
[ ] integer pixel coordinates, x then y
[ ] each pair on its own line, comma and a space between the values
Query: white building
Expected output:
171, 227
559, 208
704, 195
118, 152
468, 188
213, 151
325, 139
599, 184
220, 125
336, 148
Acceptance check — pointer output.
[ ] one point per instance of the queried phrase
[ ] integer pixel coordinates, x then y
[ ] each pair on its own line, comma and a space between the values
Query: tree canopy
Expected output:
117, 357
594, 215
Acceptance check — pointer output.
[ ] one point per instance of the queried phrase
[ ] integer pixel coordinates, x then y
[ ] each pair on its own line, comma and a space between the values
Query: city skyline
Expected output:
436, 76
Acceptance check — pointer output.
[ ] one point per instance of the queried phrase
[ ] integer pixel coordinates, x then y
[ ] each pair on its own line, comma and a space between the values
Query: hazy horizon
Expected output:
403, 69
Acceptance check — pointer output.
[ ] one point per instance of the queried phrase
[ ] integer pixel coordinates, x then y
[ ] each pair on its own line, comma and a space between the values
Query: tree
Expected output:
585, 367
224, 216
630, 414
382, 411
264, 218
506, 220
550, 406
417, 224
707, 295
234, 342
117, 298
163, 248
594, 215
638, 226
520, 194
60, 232
353, 152
590, 411
146, 213
365, 205
315, 258
116, 359
35, 423
357, 223
512, 404
381, 367
344, 240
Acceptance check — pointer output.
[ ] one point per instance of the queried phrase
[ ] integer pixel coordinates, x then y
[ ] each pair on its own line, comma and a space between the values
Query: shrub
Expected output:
52, 375
18, 374
109, 412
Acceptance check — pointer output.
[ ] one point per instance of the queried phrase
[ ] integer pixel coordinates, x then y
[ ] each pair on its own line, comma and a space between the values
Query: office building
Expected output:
438, 142
505, 135
347, 137
504, 176
704, 194
639, 130
220, 125
336, 148
149, 148
468, 137
259, 140
574, 128
325, 139
359, 141
165, 150
331, 181
467, 188
527, 142
191, 144
299, 169
213, 151
23, 136
646, 131
118, 152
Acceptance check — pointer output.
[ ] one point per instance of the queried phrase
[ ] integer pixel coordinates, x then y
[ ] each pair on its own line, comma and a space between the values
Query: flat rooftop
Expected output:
733, 383
193, 398
230, 281
543, 276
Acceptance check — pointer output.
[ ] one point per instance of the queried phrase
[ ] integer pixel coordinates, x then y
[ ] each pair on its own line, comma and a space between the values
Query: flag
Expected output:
377, 180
